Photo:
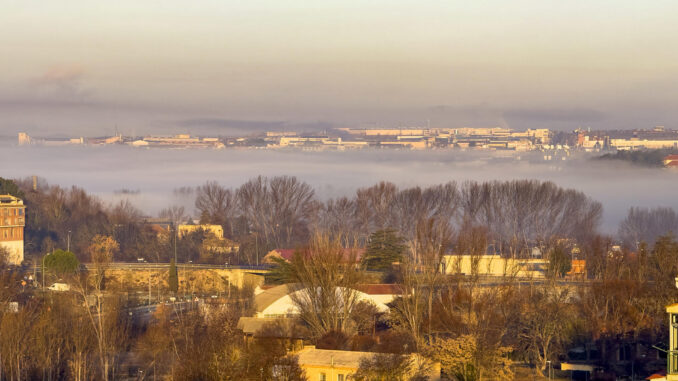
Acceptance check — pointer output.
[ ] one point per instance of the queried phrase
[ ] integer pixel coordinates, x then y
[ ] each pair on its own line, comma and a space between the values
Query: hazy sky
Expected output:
167, 66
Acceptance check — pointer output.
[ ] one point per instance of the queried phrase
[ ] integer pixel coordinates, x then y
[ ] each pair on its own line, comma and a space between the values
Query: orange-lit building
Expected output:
12, 222
578, 269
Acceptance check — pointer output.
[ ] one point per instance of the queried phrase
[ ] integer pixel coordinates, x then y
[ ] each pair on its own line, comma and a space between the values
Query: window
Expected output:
340, 377
322, 377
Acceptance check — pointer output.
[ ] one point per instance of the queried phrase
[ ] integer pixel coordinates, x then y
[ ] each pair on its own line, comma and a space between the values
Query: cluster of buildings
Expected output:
214, 242
175, 141
417, 138
627, 140
277, 316
493, 138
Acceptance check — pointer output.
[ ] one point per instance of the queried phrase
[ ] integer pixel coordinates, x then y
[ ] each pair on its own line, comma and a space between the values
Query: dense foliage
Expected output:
645, 158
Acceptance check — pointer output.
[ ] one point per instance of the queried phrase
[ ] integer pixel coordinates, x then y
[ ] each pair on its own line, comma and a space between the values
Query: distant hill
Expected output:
644, 158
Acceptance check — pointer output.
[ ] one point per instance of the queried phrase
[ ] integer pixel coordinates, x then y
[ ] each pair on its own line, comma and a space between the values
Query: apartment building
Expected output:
12, 222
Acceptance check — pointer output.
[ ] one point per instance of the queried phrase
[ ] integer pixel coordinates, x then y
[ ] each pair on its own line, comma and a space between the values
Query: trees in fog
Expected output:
175, 214
279, 209
338, 218
215, 203
283, 212
646, 225
526, 213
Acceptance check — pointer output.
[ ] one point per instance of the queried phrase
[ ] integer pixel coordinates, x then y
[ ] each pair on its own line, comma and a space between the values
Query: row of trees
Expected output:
284, 212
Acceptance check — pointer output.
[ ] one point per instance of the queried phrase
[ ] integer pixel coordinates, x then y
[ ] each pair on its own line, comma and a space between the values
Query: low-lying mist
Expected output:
149, 177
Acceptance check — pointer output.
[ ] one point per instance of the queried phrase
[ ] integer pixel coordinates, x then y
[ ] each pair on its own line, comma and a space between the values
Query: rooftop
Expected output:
380, 289
7, 199
272, 327
310, 356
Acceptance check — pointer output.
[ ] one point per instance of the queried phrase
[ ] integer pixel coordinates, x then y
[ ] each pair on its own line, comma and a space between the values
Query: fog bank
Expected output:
155, 173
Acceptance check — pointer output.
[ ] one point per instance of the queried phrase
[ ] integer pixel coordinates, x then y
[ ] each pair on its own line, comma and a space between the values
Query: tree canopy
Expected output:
385, 247
61, 263
8, 186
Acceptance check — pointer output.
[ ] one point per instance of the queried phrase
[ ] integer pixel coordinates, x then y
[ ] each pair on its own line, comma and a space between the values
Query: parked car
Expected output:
59, 287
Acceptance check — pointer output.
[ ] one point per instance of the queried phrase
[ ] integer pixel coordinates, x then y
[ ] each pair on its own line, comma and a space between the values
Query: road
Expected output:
142, 315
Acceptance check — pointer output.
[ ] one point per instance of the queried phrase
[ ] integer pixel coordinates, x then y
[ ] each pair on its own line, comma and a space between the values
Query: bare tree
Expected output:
422, 277
216, 204
646, 225
280, 208
528, 213
326, 276
104, 314
544, 323
338, 219
175, 213
374, 206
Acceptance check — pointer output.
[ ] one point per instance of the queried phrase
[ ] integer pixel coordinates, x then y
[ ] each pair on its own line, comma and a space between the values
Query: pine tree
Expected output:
385, 247
173, 277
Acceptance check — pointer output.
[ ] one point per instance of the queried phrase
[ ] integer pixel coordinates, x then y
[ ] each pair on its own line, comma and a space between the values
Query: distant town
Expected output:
415, 138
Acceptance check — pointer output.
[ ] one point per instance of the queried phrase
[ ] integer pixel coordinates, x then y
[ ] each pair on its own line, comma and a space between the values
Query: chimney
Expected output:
35, 183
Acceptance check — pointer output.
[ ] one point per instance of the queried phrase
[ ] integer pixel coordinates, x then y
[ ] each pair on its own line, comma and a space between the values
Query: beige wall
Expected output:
198, 280
217, 230
494, 265
313, 372
653, 144
16, 251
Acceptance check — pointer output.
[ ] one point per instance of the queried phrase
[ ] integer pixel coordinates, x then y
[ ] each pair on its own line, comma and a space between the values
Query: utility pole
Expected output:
68, 245
149, 288
43, 270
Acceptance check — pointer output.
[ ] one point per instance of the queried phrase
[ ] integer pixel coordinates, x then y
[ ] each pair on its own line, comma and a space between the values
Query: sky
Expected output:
205, 67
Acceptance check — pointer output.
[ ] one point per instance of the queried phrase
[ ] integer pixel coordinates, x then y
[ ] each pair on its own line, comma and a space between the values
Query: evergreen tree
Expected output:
281, 272
384, 248
173, 277
8, 186
61, 263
